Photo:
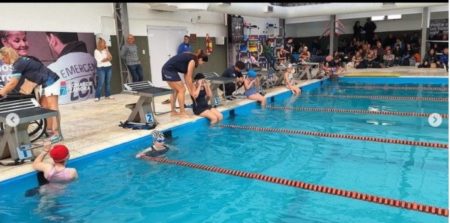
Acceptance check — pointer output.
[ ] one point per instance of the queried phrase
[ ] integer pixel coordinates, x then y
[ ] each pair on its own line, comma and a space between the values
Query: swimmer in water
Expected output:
157, 149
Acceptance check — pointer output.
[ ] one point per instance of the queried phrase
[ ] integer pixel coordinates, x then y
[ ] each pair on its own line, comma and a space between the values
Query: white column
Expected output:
332, 30
425, 25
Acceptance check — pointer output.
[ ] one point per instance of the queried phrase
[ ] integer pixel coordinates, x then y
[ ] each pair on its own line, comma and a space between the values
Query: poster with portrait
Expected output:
68, 54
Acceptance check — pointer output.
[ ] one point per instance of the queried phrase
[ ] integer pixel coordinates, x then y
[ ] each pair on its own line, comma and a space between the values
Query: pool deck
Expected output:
90, 126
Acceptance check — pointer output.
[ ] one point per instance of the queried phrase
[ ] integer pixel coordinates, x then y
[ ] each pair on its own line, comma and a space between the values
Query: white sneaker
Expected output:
110, 97
97, 99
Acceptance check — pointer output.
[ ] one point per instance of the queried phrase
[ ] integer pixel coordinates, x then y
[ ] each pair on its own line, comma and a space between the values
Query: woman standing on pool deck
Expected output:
182, 63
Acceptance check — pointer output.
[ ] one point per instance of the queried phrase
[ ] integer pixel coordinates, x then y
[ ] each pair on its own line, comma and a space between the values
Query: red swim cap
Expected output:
59, 153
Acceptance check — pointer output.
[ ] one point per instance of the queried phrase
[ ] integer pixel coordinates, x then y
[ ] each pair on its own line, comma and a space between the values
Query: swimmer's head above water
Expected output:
158, 148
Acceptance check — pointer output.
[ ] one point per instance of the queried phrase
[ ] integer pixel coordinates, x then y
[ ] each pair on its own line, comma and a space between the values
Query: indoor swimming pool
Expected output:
356, 136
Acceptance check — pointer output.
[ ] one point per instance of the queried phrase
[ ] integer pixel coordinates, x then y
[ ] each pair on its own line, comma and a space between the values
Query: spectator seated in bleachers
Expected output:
430, 60
398, 53
371, 59
388, 58
305, 55
443, 59
330, 67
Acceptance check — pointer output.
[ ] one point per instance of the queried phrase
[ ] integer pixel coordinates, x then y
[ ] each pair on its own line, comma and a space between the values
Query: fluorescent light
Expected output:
378, 18
394, 16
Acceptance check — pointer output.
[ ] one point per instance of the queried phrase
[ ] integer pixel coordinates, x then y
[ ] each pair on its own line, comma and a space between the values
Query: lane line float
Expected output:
393, 98
396, 87
339, 110
337, 135
311, 187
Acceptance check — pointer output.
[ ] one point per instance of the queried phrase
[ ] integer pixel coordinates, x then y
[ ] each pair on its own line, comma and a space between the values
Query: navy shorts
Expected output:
170, 75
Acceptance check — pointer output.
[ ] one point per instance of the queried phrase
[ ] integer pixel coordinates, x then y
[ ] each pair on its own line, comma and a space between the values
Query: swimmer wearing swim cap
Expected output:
157, 149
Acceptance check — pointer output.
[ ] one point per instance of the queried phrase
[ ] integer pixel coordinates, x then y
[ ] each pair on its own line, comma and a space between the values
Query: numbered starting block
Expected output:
15, 116
145, 106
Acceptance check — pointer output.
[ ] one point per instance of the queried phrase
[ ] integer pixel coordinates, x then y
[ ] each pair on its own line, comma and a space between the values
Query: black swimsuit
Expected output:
200, 103
154, 152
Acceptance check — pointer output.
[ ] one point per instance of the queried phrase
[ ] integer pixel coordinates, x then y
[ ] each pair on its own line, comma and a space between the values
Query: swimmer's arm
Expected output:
142, 153
38, 163
12, 83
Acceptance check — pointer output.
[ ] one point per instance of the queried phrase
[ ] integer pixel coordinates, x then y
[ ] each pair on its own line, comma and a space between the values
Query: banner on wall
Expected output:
437, 25
68, 54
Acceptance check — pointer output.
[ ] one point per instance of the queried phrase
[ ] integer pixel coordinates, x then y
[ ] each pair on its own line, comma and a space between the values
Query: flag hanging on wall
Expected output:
338, 28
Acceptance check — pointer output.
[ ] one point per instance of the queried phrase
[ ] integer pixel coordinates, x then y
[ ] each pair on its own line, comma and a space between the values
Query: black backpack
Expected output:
137, 125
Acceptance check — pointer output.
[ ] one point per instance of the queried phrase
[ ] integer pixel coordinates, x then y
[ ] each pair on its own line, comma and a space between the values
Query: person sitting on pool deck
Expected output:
289, 80
201, 94
57, 172
157, 149
250, 89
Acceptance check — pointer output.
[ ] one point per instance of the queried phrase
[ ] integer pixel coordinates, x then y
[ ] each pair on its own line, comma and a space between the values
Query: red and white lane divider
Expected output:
338, 110
394, 98
342, 136
311, 187
397, 88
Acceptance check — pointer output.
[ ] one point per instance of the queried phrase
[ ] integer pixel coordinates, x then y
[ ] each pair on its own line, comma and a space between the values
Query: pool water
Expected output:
117, 187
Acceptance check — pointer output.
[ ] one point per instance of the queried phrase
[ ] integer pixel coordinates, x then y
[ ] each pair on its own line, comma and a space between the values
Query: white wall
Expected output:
306, 29
261, 23
200, 22
69, 17
408, 22
99, 18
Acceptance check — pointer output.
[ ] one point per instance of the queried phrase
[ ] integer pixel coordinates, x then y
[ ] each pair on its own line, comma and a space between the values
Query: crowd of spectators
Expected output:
369, 50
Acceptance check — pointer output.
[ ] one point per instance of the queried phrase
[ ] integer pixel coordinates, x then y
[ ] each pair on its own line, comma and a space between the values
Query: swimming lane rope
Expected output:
396, 98
311, 187
397, 87
338, 110
337, 135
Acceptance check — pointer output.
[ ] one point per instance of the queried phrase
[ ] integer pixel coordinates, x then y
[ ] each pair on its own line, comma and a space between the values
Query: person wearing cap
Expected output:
157, 149
289, 80
250, 88
182, 65
56, 172
200, 96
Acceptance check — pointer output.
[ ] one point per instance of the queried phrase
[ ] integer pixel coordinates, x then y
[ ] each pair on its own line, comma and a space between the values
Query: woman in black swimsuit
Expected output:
201, 94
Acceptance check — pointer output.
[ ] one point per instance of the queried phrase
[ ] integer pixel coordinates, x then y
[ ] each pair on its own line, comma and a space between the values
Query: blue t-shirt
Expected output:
33, 70
184, 47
